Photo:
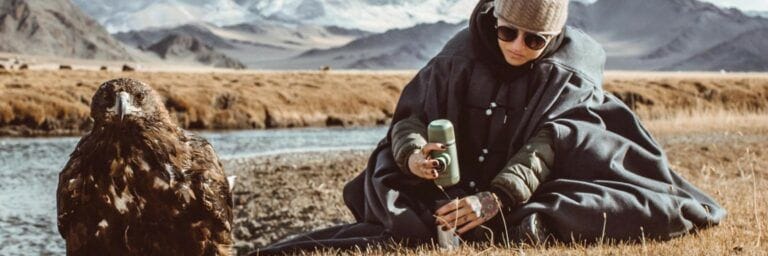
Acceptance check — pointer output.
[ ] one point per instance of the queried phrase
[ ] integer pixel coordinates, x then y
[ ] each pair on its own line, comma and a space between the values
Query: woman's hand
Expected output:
468, 212
421, 165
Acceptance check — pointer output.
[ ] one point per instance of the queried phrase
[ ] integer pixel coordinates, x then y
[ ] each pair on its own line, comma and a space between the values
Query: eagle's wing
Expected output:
211, 188
69, 191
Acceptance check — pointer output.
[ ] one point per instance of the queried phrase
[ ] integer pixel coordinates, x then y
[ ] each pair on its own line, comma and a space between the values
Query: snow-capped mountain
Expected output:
121, 15
369, 15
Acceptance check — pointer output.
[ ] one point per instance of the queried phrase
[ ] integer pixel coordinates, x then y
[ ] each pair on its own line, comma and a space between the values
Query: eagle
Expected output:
137, 184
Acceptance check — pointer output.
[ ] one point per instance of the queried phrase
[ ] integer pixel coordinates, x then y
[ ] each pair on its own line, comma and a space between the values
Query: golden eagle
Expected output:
137, 184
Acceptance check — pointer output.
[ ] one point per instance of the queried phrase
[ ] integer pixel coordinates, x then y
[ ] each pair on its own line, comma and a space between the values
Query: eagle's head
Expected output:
125, 102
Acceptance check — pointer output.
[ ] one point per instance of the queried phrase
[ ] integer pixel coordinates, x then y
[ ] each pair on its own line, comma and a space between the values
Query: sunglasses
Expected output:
509, 34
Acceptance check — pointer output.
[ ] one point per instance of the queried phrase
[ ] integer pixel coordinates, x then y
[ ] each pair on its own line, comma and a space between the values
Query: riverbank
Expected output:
56, 102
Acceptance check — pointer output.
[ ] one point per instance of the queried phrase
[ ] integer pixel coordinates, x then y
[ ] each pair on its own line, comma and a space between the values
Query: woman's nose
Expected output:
519, 42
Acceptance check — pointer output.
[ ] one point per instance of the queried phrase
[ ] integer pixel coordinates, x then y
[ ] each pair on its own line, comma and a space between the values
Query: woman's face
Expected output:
515, 52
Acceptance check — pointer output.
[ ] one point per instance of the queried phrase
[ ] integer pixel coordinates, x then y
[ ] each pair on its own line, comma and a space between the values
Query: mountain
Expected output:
746, 52
681, 35
660, 34
55, 28
121, 15
188, 48
301, 34
369, 15
407, 48
256, 45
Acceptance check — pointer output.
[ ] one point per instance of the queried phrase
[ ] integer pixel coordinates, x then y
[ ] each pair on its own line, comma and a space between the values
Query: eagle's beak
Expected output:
123, 102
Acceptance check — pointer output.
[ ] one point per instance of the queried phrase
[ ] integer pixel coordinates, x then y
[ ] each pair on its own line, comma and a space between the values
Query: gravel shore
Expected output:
282, 195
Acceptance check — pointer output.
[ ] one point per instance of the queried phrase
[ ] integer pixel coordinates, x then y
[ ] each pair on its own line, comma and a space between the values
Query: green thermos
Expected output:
441, 131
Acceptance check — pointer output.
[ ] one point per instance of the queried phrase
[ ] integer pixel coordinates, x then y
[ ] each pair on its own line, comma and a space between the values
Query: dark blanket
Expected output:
610, 179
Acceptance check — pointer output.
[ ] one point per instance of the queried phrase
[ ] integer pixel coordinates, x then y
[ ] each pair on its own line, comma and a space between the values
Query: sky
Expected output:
747, 5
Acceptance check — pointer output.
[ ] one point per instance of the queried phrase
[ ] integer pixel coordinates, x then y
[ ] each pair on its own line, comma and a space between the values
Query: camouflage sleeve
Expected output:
408, 135
526, 170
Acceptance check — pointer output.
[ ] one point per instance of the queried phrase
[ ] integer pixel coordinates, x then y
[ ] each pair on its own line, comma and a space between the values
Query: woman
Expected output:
544, 152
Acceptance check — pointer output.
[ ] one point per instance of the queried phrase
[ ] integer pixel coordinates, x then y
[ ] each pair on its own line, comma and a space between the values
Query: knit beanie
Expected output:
542, 16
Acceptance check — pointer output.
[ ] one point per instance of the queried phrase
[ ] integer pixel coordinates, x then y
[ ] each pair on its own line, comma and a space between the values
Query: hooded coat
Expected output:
610, 178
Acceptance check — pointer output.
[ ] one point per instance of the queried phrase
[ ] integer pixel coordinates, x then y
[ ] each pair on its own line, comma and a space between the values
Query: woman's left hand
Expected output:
468, 212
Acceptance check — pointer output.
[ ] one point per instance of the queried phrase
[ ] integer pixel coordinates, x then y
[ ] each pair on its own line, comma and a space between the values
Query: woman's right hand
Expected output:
421, 165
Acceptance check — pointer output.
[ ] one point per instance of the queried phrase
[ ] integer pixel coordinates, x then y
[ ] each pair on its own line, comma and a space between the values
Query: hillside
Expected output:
181, 48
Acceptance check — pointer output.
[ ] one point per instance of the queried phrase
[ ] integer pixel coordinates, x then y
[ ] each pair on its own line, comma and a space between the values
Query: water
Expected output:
29, 170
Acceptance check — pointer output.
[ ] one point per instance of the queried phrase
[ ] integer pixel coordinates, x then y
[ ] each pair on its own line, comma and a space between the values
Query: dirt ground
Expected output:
56, 102
283, 195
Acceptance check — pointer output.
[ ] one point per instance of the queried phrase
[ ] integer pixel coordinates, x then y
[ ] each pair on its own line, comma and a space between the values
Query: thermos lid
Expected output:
441, 130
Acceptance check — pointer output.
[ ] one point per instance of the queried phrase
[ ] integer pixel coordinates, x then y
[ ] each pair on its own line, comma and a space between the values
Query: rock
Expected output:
65, 67
128, 68
244, 248
242, 232
253, 226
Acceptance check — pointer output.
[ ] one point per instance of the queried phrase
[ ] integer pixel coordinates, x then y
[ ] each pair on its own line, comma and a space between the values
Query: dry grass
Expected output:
57, 102
40, 102
726, 159
657, 95
693, 121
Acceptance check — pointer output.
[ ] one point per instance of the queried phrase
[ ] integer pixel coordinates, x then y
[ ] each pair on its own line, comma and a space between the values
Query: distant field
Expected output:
57, 102
51, 102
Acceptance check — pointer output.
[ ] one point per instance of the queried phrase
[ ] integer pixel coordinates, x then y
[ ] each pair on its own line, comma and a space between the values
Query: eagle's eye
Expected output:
140, 97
